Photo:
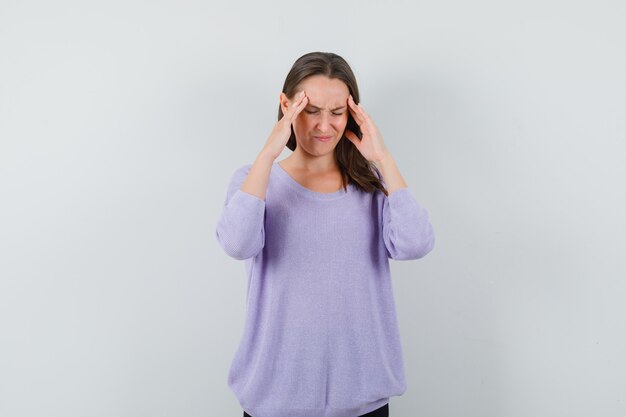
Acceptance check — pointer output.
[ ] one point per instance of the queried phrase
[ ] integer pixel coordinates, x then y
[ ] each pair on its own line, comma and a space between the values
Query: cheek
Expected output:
306, 122
342, 122
301, 123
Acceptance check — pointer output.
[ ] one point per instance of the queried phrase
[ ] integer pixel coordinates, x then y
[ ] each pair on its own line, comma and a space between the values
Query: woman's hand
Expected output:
282, 129
371, 145
373, 148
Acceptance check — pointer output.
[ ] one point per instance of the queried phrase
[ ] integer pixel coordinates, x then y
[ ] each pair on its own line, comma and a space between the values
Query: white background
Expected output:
121, 123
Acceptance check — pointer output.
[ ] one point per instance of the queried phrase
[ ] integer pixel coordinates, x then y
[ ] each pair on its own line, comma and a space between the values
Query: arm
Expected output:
390, 172
240, 228
407, 231
259, 175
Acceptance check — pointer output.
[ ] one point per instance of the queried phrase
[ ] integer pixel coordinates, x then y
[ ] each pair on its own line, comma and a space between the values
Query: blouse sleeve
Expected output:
240, 228
407, 231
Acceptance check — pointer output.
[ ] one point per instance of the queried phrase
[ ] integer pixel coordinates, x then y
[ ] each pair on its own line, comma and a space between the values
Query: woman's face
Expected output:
320, 126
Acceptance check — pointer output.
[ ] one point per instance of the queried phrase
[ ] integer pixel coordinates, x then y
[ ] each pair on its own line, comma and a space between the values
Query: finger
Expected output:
352, 137
354, 110
363, 113
296, 109
357, 117
299, 99
359, 109
364, 120
352, 103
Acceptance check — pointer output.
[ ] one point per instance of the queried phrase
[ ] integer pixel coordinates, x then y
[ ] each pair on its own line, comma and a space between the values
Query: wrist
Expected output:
265, 156
382, 160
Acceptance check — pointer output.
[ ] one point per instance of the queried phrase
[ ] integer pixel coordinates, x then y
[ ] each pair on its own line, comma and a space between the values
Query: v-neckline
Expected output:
307, 191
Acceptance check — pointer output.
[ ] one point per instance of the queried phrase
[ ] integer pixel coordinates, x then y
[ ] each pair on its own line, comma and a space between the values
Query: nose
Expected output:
323, 123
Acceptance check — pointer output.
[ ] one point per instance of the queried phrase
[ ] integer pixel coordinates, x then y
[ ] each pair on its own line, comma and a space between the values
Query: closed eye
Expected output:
317, 111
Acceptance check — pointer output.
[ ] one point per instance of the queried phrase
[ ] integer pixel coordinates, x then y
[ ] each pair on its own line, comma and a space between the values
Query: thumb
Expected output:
352, 137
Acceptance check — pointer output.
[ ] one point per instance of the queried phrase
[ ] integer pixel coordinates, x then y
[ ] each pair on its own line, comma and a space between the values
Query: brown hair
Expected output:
355, 169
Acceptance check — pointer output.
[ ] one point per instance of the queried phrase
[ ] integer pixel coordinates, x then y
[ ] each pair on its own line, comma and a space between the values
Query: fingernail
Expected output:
301, 94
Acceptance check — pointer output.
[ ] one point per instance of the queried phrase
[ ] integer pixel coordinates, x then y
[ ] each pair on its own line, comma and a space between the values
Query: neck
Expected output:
310, 163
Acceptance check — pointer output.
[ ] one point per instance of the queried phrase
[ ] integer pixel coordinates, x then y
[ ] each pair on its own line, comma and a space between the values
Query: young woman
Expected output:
317, 230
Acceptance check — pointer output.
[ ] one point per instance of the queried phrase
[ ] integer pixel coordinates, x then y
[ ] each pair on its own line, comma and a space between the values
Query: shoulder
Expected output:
244, 168
241, 171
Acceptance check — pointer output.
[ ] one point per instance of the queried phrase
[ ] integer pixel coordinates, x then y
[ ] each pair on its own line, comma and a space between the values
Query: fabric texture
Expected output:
379, 412
320, 337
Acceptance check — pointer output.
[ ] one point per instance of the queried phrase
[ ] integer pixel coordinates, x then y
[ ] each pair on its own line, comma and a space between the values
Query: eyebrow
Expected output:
336, 108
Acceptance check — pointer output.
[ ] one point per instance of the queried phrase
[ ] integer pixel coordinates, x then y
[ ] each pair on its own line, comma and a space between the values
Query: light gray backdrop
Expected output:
121, 123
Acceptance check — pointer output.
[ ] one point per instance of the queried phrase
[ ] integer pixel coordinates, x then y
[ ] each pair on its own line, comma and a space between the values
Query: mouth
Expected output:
323, 138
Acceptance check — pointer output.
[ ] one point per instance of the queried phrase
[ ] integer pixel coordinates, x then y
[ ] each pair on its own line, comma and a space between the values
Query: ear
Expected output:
284, 102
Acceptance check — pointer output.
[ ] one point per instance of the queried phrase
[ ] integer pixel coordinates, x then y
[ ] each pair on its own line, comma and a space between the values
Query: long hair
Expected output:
355, 169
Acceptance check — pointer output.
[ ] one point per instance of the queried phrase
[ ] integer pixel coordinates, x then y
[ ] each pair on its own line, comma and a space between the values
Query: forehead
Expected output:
324, 91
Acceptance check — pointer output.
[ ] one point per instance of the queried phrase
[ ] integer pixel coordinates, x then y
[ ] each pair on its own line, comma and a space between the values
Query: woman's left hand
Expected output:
371, 145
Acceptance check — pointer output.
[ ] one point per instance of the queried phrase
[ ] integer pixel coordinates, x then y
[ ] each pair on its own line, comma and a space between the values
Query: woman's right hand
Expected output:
282, 129
257, 179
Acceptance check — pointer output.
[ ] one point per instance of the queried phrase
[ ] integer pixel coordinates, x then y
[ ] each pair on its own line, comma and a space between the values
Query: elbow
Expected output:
239, 248
240, 230
418, 247
424, 247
